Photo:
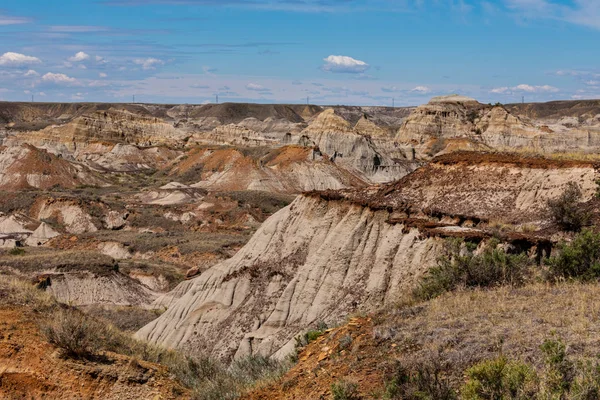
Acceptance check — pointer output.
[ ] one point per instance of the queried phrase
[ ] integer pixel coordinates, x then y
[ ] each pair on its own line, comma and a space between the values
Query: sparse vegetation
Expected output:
500, 379
75, 334
344, 390
311, 335
566, 212
268, 203
16, 251
64, 261
423, 380
462, 267
578, 260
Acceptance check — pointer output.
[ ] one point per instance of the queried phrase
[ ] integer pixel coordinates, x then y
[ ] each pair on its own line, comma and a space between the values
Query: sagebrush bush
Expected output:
344, 390
74, 333
422, 380
500, 379
461, 267
565, 210
578, 260
559, 370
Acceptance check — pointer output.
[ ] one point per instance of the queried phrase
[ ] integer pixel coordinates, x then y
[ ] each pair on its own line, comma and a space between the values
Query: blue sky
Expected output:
283, 51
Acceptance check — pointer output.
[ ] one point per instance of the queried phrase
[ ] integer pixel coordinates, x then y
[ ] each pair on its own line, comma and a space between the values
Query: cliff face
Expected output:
287, 169
25, 167
435, 127
313, 261
333, 253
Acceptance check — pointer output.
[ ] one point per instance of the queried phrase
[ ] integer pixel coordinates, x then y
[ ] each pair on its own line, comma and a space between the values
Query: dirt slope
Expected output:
32, 368
453, 332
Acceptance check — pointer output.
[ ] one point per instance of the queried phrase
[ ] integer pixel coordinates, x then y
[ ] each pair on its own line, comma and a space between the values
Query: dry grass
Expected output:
16, 292
82, 336
559, 155
127, 319
37, 260
469, 326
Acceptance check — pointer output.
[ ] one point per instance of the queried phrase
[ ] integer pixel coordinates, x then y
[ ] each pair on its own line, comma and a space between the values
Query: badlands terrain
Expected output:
290, 251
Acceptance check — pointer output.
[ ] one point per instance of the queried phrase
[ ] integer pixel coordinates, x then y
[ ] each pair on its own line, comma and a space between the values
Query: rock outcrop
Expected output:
311, 261
333, 253
25, 167
287, 169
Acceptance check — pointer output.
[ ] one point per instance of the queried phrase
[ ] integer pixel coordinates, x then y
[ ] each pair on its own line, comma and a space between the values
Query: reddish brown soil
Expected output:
349, 353
30, 368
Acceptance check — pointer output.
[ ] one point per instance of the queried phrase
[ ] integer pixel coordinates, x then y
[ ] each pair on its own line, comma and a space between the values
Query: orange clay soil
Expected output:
348, 353
30, 368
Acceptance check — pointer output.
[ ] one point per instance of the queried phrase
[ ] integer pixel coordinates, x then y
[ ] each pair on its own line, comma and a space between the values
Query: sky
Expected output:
328, 52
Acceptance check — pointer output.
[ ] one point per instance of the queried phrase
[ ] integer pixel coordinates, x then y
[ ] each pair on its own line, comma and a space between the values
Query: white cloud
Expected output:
535, 89
16, 59
7, 20
344, 64
500, 90
77, 28
79, 57
149, 63
421, 90
31, 72
257, 88
523, 88
102, 75
578, 12
59, 79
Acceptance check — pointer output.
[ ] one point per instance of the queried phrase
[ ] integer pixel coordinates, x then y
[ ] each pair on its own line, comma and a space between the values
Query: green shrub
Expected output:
587, 384
559, 370
16, 251
460, 266
579, 259
344, 390
500, 379
565, 210
424, 380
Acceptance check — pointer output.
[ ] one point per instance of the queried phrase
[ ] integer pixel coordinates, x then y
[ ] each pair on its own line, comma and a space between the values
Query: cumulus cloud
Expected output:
58, 79
256, 88
31, 72
11, 59
102, 75
79, 57
344, 64
523, 88
148, 63
421, 90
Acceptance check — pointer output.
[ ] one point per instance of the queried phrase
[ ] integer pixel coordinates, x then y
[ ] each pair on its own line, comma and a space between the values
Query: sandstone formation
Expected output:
25, 166
288, 169
337, 252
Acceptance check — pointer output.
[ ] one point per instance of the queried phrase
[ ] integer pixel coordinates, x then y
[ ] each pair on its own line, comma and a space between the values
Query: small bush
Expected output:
579, 259
500, 379
587, 385
311, 335
344, 390
424, 380
16, 251
74, 333
565, 211
559, 372
460, 266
